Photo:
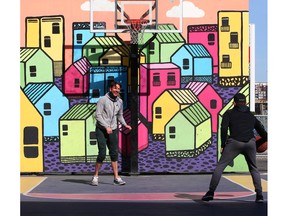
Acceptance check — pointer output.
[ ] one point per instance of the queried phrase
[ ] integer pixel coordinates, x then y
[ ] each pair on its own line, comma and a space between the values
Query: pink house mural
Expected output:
124, 136
209, 98
154, 79
76, 78
207, 35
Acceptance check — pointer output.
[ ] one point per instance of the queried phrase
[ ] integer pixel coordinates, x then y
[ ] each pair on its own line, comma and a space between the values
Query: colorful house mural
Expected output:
47, 33
154, 79
210, 99
233, 32
50, 102
188, 133
96, 46
163, 46
31, 137
78, 142
167, 104
82, 34
76, 78
65, 68
195, 62
207, 35
35, 66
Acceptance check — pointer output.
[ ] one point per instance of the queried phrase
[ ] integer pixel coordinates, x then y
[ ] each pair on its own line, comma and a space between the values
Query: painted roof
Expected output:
196, 87
107, 41
196, 113
27, 53
153, 66
35, 91
82, 65
197, 50
183, 96
79, 111
169, 37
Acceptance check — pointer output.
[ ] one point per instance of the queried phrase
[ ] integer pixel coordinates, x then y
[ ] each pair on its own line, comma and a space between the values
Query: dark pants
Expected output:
109, 140
232, 149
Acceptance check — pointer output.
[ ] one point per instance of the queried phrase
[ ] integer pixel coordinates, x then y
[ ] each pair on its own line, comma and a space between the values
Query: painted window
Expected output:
234, 40
79, 38
76, 83
65, 130
30, 140
172, 132
47, 109
158, 112
156, 79
92, 137
47, 41
185, 63
152, 48
211, 39
33, 71
171, 79
55, 28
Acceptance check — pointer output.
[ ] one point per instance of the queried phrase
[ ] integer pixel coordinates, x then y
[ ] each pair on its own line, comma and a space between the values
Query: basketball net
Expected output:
137, 28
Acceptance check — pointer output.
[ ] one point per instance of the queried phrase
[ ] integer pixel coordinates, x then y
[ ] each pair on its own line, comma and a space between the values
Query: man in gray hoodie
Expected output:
109, 112
241, 124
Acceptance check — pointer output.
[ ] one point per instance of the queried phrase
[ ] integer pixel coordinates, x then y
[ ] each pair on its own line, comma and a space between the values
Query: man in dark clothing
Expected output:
241, 140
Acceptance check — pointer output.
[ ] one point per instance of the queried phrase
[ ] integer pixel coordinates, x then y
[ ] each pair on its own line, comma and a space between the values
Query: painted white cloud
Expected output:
99, 5
189, 10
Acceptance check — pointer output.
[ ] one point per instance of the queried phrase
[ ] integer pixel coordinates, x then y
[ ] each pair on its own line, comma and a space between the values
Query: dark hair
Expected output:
114, 83
240, 98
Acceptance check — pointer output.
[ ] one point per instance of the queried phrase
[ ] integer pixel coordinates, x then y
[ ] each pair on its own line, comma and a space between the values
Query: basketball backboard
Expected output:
116, 13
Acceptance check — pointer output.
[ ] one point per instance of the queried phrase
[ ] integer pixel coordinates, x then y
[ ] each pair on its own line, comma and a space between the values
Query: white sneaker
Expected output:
94, 181
119, 181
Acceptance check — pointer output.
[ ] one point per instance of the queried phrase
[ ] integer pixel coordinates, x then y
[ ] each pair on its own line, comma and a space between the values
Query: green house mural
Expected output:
189, 132
95, 48
77, 134
35, 66
163, 46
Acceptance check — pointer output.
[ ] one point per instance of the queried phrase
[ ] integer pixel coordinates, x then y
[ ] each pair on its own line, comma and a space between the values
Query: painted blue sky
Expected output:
258, 16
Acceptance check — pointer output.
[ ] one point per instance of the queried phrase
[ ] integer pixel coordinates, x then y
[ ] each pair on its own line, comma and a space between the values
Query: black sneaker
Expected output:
208, 196
259, 198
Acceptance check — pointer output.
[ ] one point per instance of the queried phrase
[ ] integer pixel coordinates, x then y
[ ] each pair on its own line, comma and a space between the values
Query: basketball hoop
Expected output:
136, 28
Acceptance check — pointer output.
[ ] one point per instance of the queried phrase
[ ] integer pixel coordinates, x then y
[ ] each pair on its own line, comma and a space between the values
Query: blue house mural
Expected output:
195, 62
50, 102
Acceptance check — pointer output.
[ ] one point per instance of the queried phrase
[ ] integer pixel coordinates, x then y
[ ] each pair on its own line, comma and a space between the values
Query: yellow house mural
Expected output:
31, 136
47, 33
177, 99
234, 47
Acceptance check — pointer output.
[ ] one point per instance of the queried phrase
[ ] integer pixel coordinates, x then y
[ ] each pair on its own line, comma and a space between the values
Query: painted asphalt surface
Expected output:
171, 194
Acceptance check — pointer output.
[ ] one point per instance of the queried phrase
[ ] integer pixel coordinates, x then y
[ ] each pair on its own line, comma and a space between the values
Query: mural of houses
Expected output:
189, 132
82, 34
35, 66
239, 162
47, 33
31, 136
233, 35
163, 46
195, 62
154, 79
96, 46
100, 78
78, 142
210, 99
50, 102
76, 78
124, 135
207, 35
167, 105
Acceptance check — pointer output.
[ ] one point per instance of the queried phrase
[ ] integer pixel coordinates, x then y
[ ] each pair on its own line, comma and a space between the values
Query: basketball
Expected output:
260, 145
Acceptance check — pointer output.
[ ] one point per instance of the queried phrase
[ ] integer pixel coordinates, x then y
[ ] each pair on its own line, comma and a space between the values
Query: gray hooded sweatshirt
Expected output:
109, 111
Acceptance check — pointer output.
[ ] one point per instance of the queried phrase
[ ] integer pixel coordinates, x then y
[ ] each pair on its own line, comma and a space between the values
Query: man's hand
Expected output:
128, 127
109, 130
